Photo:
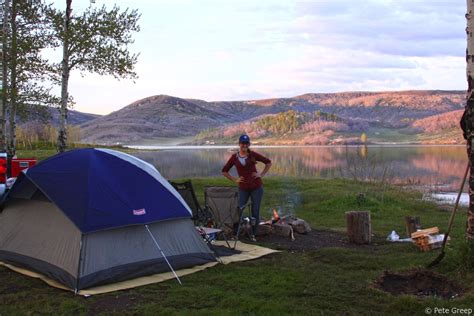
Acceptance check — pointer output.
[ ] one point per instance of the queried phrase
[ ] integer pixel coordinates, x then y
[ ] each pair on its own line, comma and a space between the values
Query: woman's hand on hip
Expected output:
239, 180
256, 175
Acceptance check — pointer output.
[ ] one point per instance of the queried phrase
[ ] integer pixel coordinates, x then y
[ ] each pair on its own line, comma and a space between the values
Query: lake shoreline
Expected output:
387, 145
426, 168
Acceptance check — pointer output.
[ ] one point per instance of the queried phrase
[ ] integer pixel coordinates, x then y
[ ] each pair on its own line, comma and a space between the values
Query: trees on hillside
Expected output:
34, 135
291, 121
317, 127
95, 41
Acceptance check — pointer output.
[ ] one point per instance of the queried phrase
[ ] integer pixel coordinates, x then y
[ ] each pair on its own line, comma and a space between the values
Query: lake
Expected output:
435, 167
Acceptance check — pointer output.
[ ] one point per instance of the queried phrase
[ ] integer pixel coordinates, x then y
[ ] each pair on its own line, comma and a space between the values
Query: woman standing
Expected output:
249, 180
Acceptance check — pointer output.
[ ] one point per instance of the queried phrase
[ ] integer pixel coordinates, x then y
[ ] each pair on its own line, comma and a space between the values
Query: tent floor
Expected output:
244, 252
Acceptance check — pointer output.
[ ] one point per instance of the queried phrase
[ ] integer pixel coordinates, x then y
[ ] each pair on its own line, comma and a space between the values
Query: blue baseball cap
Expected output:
244, 139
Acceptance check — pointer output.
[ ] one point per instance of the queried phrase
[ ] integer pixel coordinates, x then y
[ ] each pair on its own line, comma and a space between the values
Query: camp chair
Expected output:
200, 216
223, 203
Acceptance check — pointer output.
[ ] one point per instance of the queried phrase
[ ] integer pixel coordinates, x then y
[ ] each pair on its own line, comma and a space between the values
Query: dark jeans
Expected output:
256, 198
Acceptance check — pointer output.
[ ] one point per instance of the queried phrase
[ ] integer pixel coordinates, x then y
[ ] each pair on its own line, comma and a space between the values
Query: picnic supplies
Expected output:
427, 239
393, 236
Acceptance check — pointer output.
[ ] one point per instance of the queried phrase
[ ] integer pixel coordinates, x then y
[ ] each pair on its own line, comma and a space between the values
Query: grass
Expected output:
327, 281
45, 152
39, 154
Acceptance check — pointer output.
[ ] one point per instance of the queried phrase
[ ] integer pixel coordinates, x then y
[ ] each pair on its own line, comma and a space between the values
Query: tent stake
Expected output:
163, 254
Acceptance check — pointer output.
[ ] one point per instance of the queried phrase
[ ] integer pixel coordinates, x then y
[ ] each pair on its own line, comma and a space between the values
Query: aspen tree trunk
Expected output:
468, 117
4, 99
11, 144
62, 135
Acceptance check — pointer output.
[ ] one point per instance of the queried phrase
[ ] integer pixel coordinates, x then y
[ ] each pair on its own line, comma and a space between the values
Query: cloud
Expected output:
408, 28
245, 49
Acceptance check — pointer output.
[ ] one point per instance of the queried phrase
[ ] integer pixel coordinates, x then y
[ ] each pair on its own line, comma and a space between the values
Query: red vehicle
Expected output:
19, 164
3, 168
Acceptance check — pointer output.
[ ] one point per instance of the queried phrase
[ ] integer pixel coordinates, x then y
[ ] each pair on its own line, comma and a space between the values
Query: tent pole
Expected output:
76, 290
163, 254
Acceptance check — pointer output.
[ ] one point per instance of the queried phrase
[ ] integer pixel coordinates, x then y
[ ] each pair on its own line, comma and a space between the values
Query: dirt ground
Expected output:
421, 283
315, 239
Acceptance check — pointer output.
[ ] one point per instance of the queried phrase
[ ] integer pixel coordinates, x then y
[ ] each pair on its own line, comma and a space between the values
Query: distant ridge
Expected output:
167, 116
52, 117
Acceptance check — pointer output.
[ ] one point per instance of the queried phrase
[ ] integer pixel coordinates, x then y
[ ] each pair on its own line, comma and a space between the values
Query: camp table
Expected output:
206, 233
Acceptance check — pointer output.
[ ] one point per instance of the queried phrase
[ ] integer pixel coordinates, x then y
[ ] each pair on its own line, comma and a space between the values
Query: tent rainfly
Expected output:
89, 217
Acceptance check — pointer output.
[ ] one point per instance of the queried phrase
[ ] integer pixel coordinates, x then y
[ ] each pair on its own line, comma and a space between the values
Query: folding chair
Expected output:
223, 203
201, 216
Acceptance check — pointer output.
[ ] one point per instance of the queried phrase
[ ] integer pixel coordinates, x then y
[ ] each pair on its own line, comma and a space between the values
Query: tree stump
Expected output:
413, 224
359, 229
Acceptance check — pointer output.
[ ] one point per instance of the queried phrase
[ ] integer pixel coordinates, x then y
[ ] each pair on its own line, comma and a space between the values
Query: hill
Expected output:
51, 116
395, 115
166, 116
440, 129
320, 128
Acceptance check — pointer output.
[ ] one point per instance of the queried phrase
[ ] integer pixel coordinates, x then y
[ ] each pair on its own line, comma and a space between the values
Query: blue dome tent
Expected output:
89, 217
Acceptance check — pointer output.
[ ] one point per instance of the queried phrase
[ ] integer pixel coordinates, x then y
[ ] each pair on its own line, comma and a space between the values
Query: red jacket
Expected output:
249, 183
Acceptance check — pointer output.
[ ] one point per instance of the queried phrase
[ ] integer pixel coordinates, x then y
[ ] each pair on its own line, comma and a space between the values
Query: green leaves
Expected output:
98, 40
94, 41
26, 61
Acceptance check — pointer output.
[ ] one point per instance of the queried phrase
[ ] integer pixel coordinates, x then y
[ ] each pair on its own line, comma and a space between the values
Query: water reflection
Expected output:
441, 166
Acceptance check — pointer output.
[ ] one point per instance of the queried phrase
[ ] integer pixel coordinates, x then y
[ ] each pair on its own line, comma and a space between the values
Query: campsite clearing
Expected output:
330, 279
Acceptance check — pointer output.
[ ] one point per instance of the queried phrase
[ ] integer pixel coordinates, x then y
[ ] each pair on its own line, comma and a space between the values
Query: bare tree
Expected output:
468, 118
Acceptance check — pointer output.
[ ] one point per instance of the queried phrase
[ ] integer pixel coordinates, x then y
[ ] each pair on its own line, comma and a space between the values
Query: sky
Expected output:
219, 50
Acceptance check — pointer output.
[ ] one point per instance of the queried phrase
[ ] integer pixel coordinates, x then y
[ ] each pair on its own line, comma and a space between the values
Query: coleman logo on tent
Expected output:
139, 212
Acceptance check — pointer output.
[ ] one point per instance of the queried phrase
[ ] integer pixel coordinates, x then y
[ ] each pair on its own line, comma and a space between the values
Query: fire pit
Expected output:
420, 283
286, 226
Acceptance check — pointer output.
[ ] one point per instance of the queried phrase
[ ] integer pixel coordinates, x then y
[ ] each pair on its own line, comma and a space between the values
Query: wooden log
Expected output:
359, 228
425, 232
412, 224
